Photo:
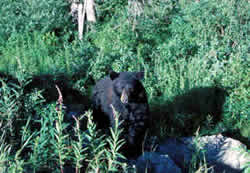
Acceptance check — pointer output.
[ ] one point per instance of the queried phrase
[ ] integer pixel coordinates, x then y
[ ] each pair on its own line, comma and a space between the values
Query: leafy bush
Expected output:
180, 45
37, 53
40, 141
35, 15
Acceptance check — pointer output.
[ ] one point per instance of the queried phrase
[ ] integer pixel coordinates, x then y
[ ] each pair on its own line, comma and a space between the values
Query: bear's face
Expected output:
127, 86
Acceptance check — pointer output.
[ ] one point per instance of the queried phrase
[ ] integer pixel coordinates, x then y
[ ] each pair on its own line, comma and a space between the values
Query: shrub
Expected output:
35, 15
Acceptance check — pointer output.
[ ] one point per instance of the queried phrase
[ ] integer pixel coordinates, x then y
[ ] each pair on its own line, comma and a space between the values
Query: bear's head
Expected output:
127, 86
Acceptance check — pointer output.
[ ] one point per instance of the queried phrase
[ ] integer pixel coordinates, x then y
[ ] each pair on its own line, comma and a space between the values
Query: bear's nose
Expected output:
124, 96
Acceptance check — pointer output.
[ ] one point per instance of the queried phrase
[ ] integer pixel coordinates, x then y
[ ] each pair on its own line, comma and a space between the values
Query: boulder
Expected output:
153, 162
222, 154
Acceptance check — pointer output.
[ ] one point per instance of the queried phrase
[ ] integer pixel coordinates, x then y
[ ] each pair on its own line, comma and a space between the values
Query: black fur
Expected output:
134, 110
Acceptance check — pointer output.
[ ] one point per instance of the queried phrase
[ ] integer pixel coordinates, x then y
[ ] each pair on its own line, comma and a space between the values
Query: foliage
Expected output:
20, 16
46, 144
38, 53
180, 45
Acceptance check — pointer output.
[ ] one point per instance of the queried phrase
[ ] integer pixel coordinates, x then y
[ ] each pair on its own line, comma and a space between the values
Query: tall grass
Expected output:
44, 143
180, 45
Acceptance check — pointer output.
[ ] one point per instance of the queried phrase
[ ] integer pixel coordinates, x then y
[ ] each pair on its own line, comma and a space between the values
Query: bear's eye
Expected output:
119, 87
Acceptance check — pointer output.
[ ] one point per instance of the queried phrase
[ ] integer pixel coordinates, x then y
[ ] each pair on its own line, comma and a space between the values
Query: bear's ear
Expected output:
139, 75
113, 75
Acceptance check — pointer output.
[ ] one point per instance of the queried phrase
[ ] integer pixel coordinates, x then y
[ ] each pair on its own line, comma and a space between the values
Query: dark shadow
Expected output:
201, 101
236, 134
72, 98
47, 83
75, 102
8, 79
186, 112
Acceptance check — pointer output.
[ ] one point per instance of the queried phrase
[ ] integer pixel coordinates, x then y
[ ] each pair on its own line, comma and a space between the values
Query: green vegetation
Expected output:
186, 48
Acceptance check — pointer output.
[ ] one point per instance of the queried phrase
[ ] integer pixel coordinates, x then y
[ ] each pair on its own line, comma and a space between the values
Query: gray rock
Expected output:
152, 162
178, 150
222, 153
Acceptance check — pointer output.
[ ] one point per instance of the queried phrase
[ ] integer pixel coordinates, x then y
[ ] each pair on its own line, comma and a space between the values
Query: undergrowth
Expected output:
195, 54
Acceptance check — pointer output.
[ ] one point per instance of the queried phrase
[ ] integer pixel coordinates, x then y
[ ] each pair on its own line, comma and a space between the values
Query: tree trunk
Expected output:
82, 9
90, 10
81, 18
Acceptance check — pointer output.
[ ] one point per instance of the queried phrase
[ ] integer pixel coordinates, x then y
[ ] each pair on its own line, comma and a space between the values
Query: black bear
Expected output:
128, 96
